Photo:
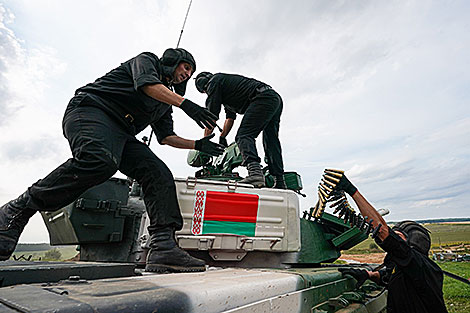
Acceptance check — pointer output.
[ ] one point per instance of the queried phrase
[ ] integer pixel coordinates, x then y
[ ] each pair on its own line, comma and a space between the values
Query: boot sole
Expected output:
256, 185
161, 268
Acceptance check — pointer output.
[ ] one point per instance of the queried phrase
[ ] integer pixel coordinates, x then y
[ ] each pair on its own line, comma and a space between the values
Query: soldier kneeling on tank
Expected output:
413, 280
100, 123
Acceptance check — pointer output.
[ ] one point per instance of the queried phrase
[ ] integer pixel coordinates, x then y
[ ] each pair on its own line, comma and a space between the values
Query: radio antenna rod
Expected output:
177, 45
184, 23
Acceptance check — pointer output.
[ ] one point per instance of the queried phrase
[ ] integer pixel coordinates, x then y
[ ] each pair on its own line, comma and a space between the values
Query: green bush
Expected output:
53, 255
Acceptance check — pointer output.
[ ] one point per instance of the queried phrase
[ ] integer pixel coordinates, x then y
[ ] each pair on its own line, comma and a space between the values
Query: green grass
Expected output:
67, 252
456, 293
449, 234
441, 234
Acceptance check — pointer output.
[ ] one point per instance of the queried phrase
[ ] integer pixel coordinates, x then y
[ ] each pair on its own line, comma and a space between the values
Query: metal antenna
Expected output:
177, 45
184, 23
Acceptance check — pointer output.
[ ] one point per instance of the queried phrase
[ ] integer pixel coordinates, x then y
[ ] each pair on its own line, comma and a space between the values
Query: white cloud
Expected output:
431, 202
379, 89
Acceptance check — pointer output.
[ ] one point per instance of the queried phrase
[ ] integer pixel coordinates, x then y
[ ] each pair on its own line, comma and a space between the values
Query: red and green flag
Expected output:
216, 212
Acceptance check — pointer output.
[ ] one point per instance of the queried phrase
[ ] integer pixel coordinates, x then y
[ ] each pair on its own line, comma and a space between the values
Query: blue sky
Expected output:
377, 88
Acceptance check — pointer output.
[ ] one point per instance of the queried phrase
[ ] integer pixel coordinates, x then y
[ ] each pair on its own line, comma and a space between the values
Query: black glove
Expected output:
202, 116
358, 274
331, 178
209, 147
223, 141
346, 185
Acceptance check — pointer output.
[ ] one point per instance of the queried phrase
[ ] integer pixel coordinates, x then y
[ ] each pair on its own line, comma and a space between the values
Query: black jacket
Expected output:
233, 91
119, 94
414, 281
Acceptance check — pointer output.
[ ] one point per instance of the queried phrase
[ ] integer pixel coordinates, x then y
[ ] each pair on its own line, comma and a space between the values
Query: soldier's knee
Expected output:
241, 137
102, 165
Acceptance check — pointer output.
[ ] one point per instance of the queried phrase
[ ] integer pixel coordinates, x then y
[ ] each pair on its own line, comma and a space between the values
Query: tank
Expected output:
264, 253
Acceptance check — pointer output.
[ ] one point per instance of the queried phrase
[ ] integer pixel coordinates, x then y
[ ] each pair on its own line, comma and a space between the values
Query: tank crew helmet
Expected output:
171, 59
417, 235
202, 79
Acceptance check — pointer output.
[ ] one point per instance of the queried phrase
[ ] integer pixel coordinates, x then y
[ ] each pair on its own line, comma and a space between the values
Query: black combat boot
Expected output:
166, 256
279, 183
13, 218
255, 175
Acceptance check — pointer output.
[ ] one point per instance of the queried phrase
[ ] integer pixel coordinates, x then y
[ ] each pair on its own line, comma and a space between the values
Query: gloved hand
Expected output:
332, 176
202, 116
223, 141
209, 147
346, 185
358, 274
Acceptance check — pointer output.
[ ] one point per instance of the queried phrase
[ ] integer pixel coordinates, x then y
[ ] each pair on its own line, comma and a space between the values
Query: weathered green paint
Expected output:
326, 290
98, 215
292, 179
26, 272
315, 246
349, 238
335, 220
323, 239
317, 276
350, 235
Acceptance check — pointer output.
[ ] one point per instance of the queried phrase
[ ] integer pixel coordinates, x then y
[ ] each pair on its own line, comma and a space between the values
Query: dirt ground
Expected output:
376, 258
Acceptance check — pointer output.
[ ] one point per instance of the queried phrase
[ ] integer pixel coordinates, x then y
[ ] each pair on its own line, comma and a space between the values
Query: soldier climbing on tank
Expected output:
262, 108
100, 123
413, 280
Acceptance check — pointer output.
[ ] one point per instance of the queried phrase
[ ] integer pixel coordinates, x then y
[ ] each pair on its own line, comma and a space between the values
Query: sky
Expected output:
376, 88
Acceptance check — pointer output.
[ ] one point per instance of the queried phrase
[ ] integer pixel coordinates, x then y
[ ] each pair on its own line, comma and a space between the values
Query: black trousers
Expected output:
262, 115
100, 146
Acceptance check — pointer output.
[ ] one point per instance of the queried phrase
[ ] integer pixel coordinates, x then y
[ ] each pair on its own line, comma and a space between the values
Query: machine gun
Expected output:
222, 168
219, 168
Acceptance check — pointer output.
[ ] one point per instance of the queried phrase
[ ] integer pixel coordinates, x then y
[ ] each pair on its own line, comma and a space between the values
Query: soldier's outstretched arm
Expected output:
228, 124
364, 206
200, 115
163, 94
203, 145
368, 210
208, 131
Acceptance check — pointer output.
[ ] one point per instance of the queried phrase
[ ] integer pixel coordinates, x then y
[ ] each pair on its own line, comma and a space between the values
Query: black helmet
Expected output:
202, 79
171, 59
417, 235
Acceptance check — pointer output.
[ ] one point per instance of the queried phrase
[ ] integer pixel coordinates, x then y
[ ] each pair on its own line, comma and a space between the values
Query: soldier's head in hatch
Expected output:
416, 235
202, 79
178, 66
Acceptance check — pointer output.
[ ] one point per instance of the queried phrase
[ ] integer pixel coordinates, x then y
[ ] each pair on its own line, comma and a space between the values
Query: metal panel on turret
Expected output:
231, 216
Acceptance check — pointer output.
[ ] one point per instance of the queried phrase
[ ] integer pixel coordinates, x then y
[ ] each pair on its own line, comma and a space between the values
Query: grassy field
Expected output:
67, 252
448, 234
456, 294
441, 235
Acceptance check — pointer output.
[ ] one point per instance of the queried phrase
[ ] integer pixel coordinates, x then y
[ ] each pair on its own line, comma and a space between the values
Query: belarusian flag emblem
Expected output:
216, 212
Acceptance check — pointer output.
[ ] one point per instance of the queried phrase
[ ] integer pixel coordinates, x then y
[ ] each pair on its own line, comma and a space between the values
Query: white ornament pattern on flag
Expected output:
198, 212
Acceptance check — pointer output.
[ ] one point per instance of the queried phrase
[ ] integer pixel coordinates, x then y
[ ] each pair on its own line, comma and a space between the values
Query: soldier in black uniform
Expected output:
100, 123
262, 108
414, 281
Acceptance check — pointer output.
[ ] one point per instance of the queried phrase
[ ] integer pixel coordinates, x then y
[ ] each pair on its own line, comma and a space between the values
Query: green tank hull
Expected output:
309, 290
278, 262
